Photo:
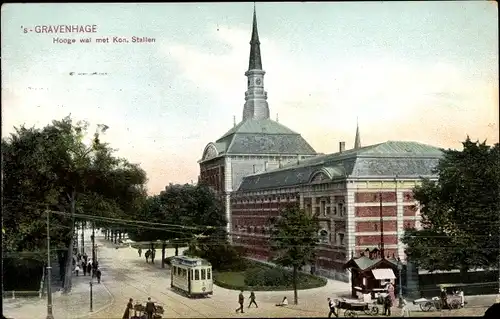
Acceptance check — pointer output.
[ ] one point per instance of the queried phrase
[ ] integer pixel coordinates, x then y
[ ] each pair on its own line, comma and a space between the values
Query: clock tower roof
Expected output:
255, 61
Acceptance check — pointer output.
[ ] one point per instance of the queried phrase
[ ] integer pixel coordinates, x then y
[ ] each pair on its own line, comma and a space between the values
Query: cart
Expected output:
140, 312
435, 303
352, 306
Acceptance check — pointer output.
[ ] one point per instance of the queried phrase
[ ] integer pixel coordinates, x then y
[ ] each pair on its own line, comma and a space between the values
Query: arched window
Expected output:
323, 236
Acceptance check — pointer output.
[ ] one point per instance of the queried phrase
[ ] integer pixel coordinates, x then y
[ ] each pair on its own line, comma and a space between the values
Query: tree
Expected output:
190, 215
55, 168
459, 211
294, 237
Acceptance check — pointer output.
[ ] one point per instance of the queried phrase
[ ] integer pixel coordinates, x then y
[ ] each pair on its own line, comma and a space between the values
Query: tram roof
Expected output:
190, 261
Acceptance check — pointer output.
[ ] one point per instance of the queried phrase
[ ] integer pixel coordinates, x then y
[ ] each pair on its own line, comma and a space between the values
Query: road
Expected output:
128, 276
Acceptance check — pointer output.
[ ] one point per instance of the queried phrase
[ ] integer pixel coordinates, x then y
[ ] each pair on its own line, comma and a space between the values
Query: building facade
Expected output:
348, 191
256, 144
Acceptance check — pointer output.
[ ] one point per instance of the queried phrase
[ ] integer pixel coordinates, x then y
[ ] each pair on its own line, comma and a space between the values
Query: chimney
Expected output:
254, 169
265, 166
341, 147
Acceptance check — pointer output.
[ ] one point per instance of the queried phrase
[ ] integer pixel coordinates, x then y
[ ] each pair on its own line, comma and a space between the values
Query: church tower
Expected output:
256, 106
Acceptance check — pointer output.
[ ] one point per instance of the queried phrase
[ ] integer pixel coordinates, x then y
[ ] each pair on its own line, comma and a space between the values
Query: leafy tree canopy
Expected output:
56, 168
294, 238
460, 211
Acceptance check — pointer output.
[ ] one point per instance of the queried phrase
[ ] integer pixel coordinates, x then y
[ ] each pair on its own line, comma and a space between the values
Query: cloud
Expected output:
394, 98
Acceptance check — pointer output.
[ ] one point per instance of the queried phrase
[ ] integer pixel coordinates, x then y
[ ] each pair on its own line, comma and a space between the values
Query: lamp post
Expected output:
49, 272
90, 283
400, 285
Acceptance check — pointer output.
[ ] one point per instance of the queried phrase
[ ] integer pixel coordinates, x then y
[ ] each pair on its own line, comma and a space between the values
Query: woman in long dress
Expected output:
392, 295
130, 306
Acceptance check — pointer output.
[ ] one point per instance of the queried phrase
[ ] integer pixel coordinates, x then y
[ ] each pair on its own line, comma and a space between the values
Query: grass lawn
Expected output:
236, 280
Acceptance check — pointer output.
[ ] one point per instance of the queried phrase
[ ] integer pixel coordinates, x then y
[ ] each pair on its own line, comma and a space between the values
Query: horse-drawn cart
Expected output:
435, 303
352, 306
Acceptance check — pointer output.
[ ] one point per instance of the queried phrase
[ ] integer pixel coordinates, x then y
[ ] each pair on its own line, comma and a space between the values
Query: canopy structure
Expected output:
383, 273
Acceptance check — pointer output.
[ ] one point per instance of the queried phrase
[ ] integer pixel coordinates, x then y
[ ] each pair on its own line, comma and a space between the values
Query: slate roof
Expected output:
365, 263
262, 136
402, 158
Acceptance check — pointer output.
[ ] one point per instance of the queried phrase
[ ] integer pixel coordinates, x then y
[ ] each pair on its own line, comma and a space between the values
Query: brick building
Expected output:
255, 144
344, 190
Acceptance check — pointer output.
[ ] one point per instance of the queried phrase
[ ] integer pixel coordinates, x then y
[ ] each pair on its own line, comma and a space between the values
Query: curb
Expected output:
109, 304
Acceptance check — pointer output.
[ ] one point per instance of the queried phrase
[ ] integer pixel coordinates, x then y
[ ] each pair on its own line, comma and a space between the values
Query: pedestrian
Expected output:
147, 254
252, 300
85, 257
84, 267
241, 300
77, 269
283, 303
89, 268
140, 251
98, 275
387, 305
405, 312
130, 305
331, 305
444, 299
150, 308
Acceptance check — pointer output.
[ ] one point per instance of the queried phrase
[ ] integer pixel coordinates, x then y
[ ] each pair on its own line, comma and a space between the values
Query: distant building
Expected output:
256, 144
343, 189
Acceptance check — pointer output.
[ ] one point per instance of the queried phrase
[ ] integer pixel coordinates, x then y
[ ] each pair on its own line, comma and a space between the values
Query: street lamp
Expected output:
400, 288
90, 283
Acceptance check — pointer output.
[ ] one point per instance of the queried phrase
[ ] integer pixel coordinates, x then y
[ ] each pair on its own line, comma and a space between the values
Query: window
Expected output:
341, 239
174, 269
328, 210
208, 273
203, 274
323, 209
323, 236
184, 272
341, 209
196, 274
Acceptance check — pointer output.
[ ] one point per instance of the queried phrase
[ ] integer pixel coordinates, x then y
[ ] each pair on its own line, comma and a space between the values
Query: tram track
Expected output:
171, 298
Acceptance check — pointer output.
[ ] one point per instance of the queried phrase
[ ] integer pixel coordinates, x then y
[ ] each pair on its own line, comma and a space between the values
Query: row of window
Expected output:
325, 238
258, 230
197, 274
280, 198
325, 210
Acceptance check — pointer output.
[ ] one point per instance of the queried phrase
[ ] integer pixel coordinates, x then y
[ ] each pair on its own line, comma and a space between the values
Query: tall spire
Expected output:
255, 61
357, 139
256, 107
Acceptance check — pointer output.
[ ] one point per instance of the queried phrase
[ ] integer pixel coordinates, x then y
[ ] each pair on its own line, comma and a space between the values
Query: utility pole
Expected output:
93, 244
382, 251
49, 271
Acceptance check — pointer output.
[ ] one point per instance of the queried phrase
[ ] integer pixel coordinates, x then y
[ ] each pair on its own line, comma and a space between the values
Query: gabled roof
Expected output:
401, 158
364, 263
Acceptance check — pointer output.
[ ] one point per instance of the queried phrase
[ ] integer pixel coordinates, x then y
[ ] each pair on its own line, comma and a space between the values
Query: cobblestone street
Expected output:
125, 275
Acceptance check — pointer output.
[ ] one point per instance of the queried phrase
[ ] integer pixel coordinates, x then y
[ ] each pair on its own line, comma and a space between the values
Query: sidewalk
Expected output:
72, 306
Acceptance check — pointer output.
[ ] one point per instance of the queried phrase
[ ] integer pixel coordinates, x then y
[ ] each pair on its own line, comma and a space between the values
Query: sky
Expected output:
417, 71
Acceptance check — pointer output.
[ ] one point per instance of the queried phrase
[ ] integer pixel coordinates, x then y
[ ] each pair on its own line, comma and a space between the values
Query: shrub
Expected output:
268, 277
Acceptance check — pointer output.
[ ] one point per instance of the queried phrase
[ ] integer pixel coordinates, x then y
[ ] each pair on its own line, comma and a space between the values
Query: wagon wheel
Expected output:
374, 311
426, 306
349, 313
455, 304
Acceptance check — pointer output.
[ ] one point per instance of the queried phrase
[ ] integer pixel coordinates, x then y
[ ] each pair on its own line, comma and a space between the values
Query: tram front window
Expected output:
184, 272
208, 273
203, 277
196, 274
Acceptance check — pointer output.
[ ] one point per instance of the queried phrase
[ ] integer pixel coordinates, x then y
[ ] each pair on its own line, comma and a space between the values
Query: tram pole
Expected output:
49, 271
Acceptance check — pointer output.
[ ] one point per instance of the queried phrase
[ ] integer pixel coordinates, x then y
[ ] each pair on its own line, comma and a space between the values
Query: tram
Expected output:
192, 276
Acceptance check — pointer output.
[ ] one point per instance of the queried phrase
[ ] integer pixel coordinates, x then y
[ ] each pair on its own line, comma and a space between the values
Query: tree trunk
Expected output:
115, 236
152, 253
295, 294
163, 246
83, 241
176, 249
119, 235
69, 255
